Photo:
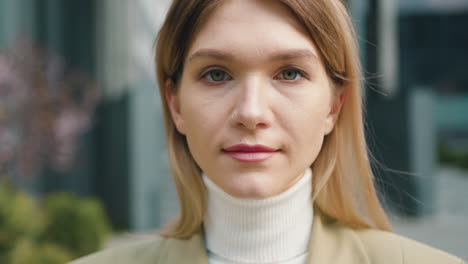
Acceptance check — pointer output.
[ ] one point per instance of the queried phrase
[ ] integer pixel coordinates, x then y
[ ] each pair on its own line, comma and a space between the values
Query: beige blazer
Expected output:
330, 242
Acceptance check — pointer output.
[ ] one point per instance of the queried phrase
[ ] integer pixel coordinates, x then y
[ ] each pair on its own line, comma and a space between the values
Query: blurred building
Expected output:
417, 94
122, 158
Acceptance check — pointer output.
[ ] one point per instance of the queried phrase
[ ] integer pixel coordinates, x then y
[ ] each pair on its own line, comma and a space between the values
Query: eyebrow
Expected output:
283, 55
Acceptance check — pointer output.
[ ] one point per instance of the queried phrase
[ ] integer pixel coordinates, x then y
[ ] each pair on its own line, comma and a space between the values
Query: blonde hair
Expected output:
343, 181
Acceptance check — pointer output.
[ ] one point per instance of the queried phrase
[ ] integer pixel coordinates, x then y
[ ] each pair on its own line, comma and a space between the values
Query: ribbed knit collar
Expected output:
272, 230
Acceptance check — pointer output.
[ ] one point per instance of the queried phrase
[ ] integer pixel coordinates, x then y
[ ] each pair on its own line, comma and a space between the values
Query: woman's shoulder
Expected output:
141, 251
381, 245
333, 241
156, 249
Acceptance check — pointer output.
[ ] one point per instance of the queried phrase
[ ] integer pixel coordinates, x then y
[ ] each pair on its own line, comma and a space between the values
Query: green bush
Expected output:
65, 227
28, 251
80, 226
19, 218
453, 156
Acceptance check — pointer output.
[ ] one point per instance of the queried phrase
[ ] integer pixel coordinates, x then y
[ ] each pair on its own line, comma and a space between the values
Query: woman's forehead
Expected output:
254, 29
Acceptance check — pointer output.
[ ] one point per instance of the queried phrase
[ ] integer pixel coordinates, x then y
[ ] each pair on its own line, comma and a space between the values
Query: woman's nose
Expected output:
251, 109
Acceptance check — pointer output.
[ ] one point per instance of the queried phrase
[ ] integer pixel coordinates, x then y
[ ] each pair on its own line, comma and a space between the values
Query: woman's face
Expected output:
254, 101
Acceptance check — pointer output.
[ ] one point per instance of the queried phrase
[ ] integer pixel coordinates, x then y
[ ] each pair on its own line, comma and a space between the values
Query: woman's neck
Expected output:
275, 229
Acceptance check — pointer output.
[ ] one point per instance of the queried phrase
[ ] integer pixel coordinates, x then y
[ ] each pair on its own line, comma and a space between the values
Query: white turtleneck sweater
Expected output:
267, 231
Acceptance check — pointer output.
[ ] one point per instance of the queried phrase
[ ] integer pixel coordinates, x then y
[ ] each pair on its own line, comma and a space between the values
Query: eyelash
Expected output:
294, 68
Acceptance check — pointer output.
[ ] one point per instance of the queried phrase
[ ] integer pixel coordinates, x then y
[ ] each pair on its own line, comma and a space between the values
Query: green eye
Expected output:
290, 75
216, 76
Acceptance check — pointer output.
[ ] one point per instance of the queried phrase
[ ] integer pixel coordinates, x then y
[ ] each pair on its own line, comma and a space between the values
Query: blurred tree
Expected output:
44, 108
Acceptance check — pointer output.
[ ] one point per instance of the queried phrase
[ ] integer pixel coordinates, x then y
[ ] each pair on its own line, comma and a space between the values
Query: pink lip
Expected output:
249, 153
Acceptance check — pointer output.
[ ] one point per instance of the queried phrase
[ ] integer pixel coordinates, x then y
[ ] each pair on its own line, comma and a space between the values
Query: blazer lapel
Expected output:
333, 243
